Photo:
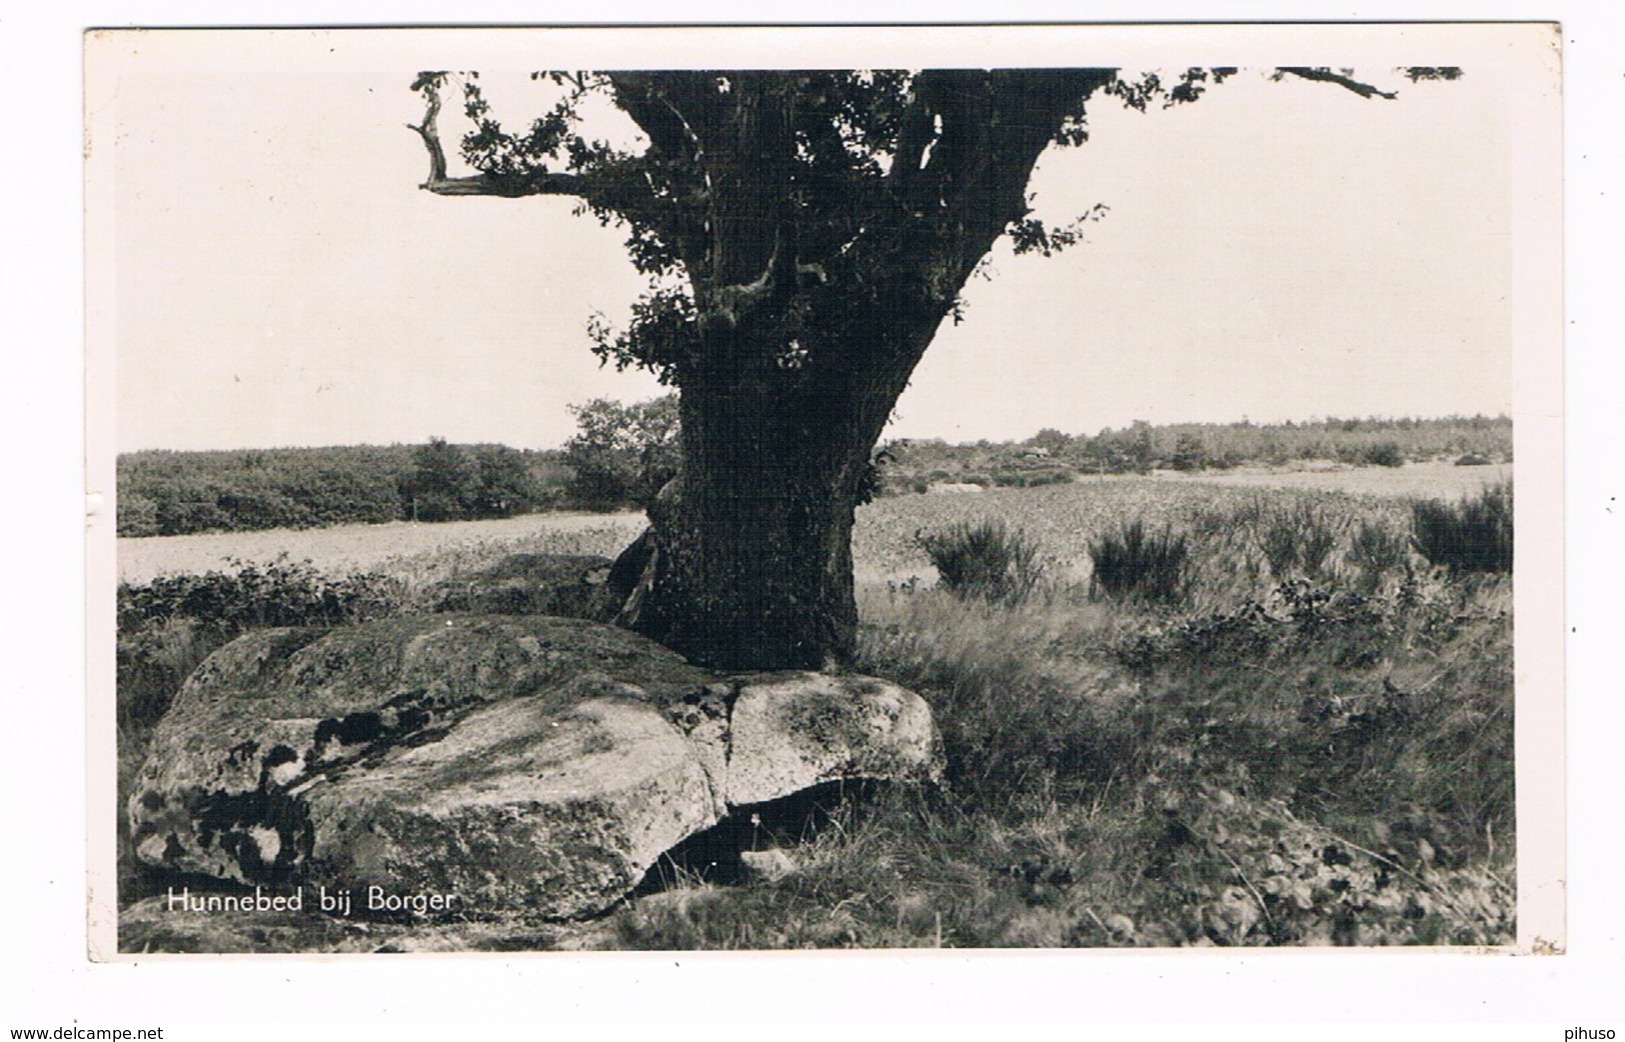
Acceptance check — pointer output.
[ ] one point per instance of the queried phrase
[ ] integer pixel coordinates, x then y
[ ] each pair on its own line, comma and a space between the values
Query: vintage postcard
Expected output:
1024, 487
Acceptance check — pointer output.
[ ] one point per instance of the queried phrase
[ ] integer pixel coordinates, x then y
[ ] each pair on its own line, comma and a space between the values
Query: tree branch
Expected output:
431, 137
483, 184
1364, 90
916, 131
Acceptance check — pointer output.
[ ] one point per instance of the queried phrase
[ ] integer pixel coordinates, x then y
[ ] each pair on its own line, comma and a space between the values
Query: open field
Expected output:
1311, 747
1434, 478
359, 548
1061, 518
883, 543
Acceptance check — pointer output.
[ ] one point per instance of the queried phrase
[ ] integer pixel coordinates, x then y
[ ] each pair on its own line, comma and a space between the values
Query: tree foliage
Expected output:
622, 454
445, 482
507, 486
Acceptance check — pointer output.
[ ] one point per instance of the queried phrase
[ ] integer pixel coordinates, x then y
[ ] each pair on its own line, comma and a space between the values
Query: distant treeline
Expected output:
177, 493
1052, 456
623, 453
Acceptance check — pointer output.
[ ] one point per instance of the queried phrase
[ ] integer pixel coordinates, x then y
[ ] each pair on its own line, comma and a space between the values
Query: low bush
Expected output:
1384, 454
984, 560
282, 593
1474, 535
1131, 562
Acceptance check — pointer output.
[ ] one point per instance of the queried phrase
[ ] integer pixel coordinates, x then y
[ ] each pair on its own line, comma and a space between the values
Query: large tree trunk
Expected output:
752, 562
799, 366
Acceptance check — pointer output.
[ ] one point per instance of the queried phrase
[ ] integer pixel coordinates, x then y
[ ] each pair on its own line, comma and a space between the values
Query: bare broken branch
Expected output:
430, 133
1364, 90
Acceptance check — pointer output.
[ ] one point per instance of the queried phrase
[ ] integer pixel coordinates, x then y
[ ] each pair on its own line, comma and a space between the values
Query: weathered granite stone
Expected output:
467, 766
571, 585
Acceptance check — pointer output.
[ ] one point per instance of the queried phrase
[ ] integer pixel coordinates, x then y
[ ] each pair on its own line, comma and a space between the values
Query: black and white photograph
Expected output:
741, 489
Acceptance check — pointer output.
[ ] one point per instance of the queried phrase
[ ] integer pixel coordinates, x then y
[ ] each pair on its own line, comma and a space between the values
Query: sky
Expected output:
1278, 250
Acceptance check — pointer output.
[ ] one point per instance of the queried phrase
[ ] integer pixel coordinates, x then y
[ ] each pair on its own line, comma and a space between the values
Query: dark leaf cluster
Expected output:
1031, 235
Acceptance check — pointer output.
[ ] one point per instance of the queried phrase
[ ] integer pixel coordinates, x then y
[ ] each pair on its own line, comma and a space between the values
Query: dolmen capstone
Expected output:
472, 765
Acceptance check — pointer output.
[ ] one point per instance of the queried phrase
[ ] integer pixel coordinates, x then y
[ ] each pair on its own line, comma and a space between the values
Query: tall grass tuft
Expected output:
1472, 536
984, 560
1129, 562
1376, 550
1298, 539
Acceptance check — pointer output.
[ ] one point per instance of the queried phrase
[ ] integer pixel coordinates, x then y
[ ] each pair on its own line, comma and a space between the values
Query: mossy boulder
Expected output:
570, 585
519, 764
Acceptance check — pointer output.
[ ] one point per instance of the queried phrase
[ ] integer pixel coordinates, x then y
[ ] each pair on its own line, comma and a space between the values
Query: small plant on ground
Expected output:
1130, 562
984, 560
1472, 536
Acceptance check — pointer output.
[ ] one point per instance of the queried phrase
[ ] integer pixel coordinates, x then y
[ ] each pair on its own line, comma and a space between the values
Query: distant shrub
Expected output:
1472, 536
623, 454
444, 483
1297, 539
981, 480
1472, 459
179, 493
984, 560
506, 485
1189, 453
1384, 454
1131, 562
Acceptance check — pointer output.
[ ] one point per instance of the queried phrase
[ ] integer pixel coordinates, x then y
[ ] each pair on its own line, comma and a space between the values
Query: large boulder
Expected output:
572, 585
459, 766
